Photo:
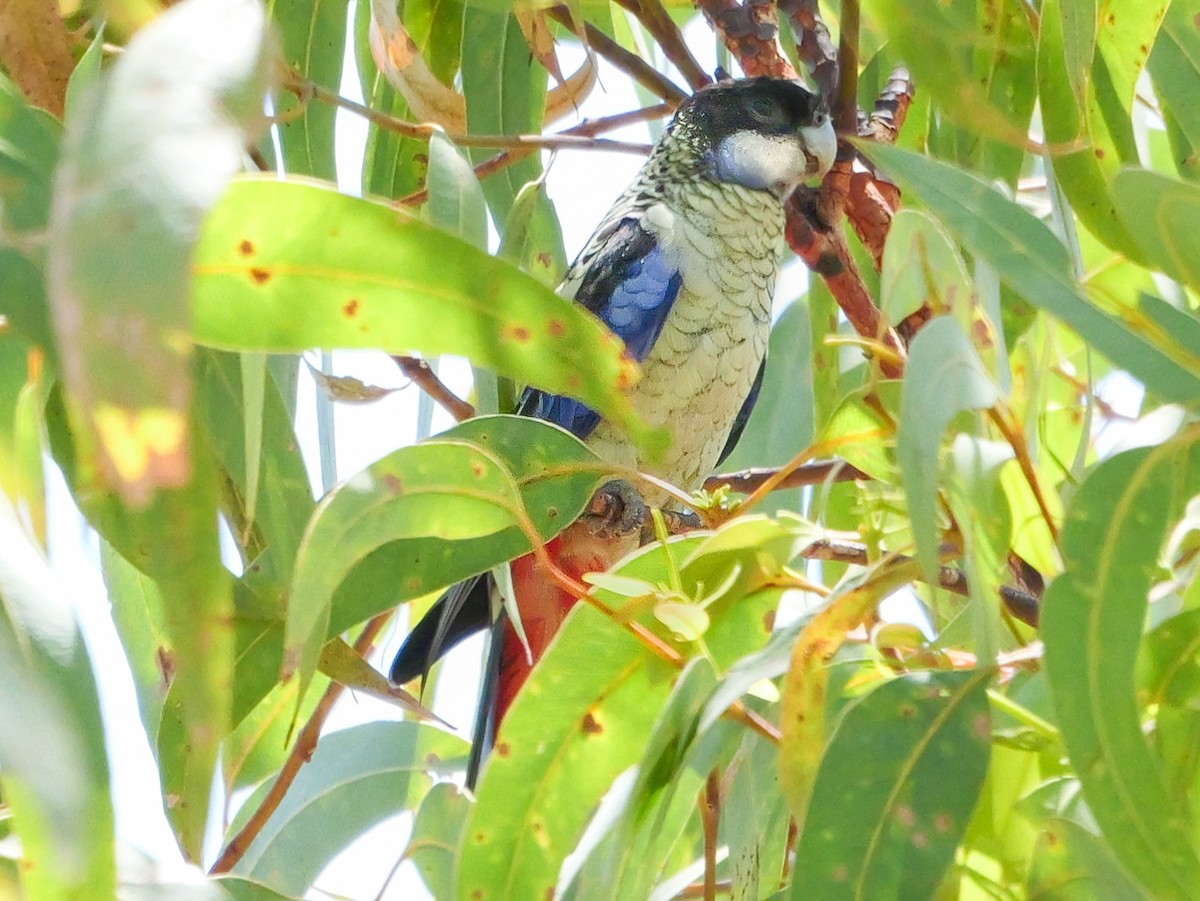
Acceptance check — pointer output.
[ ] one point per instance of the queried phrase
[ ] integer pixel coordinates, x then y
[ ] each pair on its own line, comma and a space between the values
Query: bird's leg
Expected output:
616, 510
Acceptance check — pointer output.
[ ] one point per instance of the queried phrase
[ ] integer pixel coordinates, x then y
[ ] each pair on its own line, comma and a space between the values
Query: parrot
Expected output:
682, 269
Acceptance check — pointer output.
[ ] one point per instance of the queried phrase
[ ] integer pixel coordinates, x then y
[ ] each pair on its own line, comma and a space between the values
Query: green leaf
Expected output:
1175, 66
1036, 265
505, 89
885, 826
456, 203
1091, 621
1163, 209
437, 836
174, 541
944, 377
584, 715
754, 820
29, 149
435, 26
270, 533
137, 610
1072, 118
979, 507
1127, 30
21, 473
55, 769
238, 889
350, 273
979, 77
357, 777
649, 822
532, 236
393, 165
921, 266
864, 436
85, 77
1072, 864
130, 194
313, 36
1168, 668
471, 484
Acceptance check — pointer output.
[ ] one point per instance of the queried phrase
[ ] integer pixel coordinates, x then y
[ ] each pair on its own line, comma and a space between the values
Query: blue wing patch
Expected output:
630, 285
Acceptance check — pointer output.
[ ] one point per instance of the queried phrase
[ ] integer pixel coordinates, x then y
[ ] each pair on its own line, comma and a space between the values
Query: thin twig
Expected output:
424, 130
426, 379
1021, 604
629, 63
654, 16
749, 480
1015, 436
301, 753
589, 127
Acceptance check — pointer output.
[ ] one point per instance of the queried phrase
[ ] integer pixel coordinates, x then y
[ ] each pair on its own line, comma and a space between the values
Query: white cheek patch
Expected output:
759, 162
777, 162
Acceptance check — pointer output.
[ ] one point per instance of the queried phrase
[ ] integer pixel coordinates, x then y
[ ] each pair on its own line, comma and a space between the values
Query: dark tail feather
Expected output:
483, 733
458, 614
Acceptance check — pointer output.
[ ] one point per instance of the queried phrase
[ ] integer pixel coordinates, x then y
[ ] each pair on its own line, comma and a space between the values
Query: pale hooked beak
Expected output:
820, 145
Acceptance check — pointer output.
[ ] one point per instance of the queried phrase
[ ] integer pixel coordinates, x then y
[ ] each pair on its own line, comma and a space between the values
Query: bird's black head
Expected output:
766, 134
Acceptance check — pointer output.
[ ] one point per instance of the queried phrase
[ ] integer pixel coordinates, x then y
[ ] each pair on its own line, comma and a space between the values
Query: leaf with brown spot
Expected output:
887, 825
399, 268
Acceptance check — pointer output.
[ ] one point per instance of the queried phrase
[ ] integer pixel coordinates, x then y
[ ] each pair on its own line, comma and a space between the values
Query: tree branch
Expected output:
629, 63
301, 753
749, 31
654, 16
590, 127
426, 379
423, 131
749, 480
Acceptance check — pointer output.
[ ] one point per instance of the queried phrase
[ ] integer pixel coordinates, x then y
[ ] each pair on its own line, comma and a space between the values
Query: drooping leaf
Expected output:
130, 194
806, 687
532, 236
1091, 622
1071, 118
944, 377
456, 202
174, 541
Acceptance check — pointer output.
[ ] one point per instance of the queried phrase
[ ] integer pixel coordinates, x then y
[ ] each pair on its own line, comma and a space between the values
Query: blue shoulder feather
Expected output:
630, 285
